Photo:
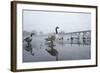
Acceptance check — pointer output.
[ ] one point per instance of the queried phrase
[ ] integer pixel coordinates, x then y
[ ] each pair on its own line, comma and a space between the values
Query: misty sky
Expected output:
46, 21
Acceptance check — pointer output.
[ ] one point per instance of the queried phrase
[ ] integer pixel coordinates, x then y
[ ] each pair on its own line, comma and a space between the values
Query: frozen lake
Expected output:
66, 51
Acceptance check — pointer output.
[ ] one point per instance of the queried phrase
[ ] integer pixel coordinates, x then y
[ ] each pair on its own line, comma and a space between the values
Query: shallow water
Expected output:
66, 51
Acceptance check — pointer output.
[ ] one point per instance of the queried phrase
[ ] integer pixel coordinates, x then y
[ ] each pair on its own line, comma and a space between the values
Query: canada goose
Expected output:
56, 29
58, 38
29, 45
28, 39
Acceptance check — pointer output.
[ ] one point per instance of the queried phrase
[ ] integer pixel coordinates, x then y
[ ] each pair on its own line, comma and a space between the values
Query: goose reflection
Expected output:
50, 43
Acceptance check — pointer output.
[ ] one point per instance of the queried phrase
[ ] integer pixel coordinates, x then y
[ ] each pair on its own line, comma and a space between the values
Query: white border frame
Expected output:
36, 65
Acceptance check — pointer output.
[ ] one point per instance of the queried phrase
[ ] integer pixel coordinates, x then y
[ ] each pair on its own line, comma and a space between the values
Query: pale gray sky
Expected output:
47, 21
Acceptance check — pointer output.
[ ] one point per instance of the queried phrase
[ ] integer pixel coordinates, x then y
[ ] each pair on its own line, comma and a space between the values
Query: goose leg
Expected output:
31, 52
